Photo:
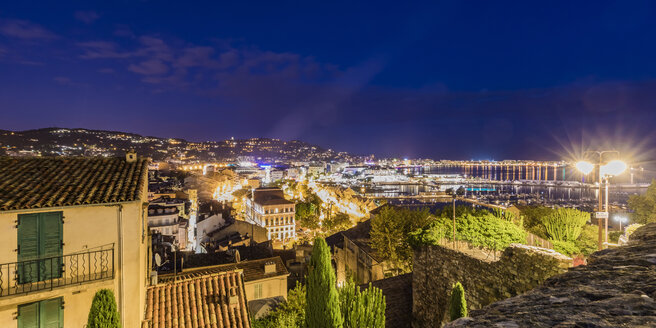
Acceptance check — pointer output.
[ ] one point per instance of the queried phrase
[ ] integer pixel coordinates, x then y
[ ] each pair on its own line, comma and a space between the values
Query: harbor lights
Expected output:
612, 168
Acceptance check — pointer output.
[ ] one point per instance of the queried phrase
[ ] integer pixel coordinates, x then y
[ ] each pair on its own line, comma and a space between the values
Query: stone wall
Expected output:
436, 268
616, 289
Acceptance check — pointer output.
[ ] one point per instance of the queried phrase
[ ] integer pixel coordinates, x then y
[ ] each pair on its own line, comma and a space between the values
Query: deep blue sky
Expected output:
447, 79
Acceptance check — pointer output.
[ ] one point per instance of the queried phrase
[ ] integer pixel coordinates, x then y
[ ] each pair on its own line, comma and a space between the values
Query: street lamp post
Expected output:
611, 168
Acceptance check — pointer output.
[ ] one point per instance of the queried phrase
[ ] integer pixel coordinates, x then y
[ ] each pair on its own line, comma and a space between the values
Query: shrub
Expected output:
458, 304
614, 236
588, 239
565, 224
104, 313
565, 247
631, 229
479, 228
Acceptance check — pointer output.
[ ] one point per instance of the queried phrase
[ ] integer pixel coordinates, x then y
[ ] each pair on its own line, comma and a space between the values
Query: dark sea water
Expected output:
521, 182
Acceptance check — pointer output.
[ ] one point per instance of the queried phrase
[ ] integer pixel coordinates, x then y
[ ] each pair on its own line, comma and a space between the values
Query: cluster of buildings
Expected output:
73, 226
84, 142
76, 225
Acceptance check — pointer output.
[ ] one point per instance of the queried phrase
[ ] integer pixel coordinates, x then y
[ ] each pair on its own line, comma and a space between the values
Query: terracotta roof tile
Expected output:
213, 300
40, 182
253, 270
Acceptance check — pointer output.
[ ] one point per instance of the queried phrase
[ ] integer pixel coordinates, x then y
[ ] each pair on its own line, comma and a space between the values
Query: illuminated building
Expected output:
272, 211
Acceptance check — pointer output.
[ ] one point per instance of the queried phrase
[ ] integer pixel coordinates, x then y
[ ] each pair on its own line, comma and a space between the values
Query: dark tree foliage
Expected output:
644, 206
389, 234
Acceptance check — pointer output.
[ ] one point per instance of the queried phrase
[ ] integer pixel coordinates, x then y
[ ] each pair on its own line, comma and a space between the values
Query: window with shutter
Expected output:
42, 314
50, 245
28, 315
51, 313
257, 291
40, 237
28, 248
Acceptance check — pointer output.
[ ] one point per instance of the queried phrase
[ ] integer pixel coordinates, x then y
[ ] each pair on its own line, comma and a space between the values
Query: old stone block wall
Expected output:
436, 268
616, 289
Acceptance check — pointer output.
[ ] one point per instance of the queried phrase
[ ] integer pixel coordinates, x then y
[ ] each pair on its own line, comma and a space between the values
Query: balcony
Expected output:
48, 273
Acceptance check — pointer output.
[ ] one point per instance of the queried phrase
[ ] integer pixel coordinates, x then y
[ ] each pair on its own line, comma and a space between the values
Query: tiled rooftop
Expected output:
270, 196
253, 270
41, 182
361, 236
214, 300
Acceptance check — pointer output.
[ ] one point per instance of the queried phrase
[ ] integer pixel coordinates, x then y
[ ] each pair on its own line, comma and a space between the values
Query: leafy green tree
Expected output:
533, 216
362, 308
322, 300
241, 193
104, 312
565, 224
306, 215
644, 206
337, 222
458, 304
389, 234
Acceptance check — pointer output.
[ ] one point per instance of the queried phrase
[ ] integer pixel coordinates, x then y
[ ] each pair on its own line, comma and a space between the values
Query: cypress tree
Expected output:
458, 306
104, 312
362, 308
322, 300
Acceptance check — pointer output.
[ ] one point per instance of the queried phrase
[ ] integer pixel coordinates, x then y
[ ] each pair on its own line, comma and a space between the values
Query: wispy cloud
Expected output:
88, 17
62, 80
171, 65
149, 67
101, 50
23, 29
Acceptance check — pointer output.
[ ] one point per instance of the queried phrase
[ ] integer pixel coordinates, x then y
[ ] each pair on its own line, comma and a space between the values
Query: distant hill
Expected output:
84, 142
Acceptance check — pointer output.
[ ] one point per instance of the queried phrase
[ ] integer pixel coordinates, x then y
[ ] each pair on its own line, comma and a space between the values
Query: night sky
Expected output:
454, 79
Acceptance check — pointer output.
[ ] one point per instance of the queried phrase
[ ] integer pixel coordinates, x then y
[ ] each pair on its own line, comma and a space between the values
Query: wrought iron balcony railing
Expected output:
47, 273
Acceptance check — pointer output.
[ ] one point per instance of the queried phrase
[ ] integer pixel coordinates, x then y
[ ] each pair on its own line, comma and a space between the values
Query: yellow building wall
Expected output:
271, 287
85, 228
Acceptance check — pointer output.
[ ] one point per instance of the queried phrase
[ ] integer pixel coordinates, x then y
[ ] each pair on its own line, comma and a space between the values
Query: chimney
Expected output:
131, 156
269, 267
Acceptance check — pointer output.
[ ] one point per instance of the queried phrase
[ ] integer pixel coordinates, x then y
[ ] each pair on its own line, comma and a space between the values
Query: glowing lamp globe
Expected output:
584, 167
613, 168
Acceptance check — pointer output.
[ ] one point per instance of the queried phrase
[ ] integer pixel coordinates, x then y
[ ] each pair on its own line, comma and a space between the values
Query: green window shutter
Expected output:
28, 247
28, 315
50, 244
51, 314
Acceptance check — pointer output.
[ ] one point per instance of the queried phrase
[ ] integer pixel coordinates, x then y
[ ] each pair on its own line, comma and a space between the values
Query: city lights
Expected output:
584, 167
614, 167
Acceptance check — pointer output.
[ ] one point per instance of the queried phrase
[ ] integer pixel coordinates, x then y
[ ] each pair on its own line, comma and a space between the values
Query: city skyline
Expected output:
431, 80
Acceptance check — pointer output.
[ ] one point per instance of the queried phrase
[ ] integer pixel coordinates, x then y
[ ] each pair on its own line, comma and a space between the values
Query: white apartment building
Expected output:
272, 211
